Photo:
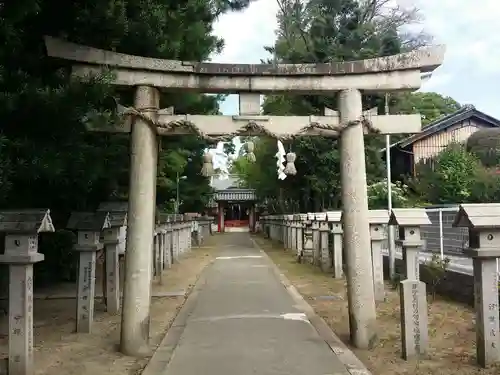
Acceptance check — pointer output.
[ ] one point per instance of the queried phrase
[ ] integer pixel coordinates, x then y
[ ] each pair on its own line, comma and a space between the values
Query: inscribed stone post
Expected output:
294, 234
270, 227
185, 246
378, 222
159, 256
283, 229
280, 228
113, 240
21, 230
194, 233
182, 241
483, 222
161, 240
289, 236
300, 234
334, 219
326, 258
185, 235
414, 320
179, 234
170, 255
173, 239
88, 226
324, 261
182, 236
189, 233
316, 256
276, 226
156, 252
413, 296
285, 224
176, 239
199, 234
308, 247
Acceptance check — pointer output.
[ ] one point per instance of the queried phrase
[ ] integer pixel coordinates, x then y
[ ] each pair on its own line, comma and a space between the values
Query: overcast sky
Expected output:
469, 29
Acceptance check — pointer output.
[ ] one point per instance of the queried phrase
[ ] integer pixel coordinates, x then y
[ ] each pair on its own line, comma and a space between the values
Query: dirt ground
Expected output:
58, 350
451, 330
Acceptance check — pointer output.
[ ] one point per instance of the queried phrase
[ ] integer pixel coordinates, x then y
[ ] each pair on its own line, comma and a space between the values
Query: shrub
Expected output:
456, 176
377, 195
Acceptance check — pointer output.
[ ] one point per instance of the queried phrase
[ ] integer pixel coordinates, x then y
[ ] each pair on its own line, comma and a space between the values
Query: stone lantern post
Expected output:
88, 226
413, 296
334, 220
113, 238
21, 230
483, 221
378, 233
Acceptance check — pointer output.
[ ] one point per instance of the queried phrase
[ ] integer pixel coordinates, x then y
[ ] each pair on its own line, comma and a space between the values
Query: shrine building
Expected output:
233, 206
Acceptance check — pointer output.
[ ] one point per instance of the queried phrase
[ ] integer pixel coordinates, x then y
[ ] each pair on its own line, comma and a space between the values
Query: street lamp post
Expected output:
177, 203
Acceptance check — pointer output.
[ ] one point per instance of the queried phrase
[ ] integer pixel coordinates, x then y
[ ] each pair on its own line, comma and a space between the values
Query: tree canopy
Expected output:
47, 158
429, 105
325, 31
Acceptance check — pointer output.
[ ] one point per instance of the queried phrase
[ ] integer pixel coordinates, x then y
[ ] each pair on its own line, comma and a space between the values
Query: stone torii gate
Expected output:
145, 121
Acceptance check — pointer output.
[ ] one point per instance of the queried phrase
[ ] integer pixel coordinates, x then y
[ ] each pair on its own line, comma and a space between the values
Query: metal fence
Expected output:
440, 237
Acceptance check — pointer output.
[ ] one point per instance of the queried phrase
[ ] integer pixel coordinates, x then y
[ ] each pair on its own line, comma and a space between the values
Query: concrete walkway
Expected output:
240, 320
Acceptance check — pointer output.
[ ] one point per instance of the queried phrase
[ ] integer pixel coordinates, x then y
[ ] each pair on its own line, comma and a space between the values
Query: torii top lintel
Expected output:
397, 72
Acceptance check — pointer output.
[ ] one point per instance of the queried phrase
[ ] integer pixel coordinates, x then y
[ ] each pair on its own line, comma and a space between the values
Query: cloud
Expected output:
468, 28
246, 33
472, 62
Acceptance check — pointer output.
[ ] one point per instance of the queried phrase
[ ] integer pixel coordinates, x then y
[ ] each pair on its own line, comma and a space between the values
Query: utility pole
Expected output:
390, 230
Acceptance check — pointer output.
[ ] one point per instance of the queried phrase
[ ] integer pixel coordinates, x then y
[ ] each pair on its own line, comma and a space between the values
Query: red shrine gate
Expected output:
234, 207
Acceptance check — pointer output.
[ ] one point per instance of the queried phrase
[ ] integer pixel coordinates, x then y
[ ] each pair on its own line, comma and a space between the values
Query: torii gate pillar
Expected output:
362, 313
141, 213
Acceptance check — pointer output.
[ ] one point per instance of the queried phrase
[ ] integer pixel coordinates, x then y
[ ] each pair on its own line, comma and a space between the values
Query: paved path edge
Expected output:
352, 363
163, 353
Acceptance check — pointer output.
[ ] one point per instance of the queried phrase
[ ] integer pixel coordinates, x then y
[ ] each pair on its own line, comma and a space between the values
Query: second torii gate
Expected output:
145, 121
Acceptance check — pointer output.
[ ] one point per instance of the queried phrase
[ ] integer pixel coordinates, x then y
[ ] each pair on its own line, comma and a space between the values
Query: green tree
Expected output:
456, 176
48, 159
377, 195
429, 105
485, 144
44, 139
324, 31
